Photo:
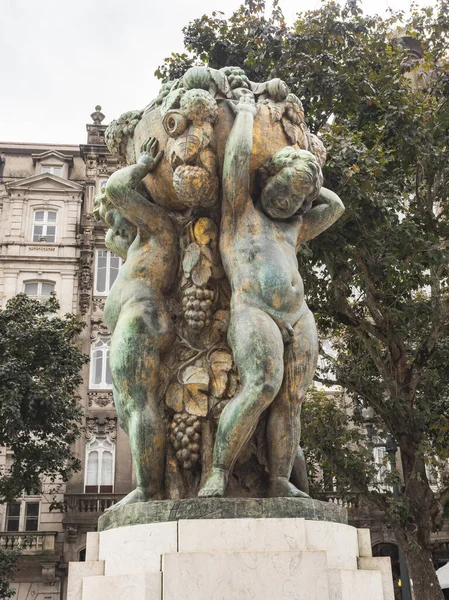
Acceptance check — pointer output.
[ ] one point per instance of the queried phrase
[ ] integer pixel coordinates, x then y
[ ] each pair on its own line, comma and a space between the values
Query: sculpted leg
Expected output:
135, 360
284, 424
258, 350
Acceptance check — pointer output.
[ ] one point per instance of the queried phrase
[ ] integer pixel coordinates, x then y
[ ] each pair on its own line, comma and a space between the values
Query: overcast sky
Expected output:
59, 58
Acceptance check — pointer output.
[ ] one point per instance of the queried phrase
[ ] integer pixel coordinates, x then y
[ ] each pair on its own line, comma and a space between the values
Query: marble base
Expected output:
232, 559
161, 511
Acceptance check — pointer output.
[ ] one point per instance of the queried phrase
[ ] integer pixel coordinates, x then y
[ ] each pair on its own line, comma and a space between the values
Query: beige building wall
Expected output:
60, 179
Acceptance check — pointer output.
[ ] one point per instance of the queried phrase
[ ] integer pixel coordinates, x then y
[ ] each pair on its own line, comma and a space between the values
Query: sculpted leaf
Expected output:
208, 160
196, 399
220, 365
174, 397
172, 100
189, 144
194, 374
233, 385
196, 380
221, 81
209, 255
294, 109
202, 272
292, 131
192, 255
276, 109
205, 230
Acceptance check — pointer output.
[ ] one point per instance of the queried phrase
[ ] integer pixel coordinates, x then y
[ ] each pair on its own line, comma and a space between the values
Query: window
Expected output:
107, 266
39, 290
22, 516
53, 170
99, 473
44, 226
100, 372
101, 184
382, 461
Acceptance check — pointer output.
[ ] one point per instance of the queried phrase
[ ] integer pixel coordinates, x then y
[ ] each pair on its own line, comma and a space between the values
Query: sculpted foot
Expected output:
137, 495
215, 485
282, 488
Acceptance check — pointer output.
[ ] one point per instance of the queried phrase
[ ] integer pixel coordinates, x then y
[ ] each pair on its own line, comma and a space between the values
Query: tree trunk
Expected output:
423, 579
415, 540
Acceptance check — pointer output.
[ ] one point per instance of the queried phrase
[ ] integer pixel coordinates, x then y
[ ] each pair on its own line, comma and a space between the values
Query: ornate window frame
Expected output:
45, 223
100, 353
100, 435
105, 253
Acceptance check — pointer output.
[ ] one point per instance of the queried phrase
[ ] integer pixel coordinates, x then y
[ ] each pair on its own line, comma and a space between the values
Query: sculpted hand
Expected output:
149, 155
246, 104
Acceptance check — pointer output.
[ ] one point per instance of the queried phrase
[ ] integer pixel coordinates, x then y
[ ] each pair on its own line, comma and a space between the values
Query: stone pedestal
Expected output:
273, 558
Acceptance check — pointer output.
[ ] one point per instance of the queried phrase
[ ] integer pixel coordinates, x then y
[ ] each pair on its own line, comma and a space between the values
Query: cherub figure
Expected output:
135, 312
272, 332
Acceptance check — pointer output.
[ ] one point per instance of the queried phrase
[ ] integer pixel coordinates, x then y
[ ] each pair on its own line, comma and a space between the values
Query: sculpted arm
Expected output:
121, 189
326, 209
236, 178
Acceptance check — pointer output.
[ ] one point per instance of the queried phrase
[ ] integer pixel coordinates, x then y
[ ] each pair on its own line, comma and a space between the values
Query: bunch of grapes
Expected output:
185, 437
197, 305
236, 77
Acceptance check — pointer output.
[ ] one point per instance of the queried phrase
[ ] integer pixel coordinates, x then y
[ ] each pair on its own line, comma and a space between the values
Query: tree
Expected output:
40, 370
378, 280
8, 565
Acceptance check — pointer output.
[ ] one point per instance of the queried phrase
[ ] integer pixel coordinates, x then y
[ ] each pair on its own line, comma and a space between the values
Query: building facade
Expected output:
50, 241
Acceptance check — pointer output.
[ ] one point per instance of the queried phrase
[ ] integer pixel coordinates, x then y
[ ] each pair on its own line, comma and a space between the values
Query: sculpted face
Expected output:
121, 232
280, 198
293, 187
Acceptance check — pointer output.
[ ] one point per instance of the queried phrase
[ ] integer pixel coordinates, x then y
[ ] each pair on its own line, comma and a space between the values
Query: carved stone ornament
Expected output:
98, 304
213, 346
101, 426
97, 116
103, 168
100, 399
72, 533
91, 165
49, 573
98, 329
84, 302
85, 278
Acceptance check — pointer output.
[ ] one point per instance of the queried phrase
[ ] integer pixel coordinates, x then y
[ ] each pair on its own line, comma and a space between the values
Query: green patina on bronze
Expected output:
222, 508
213, 345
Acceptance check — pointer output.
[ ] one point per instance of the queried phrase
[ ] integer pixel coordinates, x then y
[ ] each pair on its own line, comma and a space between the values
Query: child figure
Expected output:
142, 331
272, 332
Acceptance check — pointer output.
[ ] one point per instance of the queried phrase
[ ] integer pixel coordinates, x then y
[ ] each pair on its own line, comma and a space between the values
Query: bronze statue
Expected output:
268, 311
135, 312
213, 344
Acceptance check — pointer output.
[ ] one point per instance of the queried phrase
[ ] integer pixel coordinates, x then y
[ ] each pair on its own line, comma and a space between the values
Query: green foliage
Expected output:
333, 446
377, 281
8, 565
40, 370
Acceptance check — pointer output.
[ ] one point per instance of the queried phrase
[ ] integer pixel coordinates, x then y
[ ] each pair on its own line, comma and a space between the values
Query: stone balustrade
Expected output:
91, 503
350, 501
29, 542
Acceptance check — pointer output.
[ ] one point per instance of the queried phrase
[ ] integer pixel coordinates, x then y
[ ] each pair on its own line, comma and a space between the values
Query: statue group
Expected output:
213, 345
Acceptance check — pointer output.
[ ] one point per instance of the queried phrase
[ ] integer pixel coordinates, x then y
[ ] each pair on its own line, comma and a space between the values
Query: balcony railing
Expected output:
29, 542
90, 503
351, 501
